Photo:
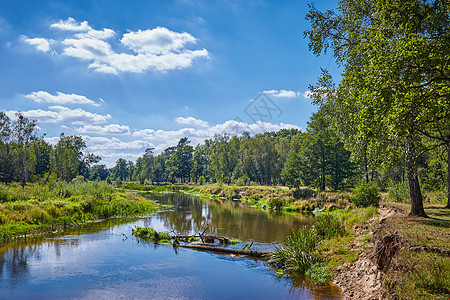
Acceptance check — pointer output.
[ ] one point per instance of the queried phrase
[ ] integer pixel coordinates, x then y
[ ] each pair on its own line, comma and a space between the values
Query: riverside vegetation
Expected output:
34, 210
347, 228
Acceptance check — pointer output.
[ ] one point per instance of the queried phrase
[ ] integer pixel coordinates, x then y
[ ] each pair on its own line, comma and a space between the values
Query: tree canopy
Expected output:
393, 99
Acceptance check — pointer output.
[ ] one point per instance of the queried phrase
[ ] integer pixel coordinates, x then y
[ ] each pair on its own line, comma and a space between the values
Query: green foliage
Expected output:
392, 103
433, 277
398, 192
366, 194
232, 241
149, 234
328, 226
296, 251
38, 209
319, 273
292, 170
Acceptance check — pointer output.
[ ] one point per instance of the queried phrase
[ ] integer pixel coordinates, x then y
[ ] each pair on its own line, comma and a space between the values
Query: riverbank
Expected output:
384, 254
275, 198
406, 258
36, 210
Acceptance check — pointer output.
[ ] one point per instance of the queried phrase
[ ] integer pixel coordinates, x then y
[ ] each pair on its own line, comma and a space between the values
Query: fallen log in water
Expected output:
149, 234
226, 250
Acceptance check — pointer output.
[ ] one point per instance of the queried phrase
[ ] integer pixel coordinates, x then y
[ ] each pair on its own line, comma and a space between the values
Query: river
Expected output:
103, 260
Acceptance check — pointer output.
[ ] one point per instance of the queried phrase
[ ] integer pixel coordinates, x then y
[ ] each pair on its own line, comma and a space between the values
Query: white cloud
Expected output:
59, 98
191, 121
87, 48
104, 130
281, 93
103, 34
79, 116
156, 41
198, 135
71, 25
113, 144
43, 116
113, 148
307, 94
40, 44
158, 49
61, 114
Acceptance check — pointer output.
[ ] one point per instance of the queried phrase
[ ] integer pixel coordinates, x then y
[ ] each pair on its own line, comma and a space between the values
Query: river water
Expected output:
103, 260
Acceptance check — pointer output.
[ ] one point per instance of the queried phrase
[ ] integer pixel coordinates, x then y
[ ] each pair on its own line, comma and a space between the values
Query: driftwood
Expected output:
209, 240
226, 250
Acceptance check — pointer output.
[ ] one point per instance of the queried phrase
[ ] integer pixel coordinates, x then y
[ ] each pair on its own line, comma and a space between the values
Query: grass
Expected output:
420, 275
351, 224
149, 234
274, 198
38, 209
432, 231
301, 251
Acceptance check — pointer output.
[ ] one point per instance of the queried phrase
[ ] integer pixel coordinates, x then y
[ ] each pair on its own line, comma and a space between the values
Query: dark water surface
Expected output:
104, 261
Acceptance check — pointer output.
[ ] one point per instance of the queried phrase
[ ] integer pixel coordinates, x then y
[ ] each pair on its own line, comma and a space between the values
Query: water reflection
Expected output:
192, 215
102, 259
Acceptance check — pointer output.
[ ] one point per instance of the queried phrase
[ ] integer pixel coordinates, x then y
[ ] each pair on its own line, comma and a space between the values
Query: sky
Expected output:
130, 75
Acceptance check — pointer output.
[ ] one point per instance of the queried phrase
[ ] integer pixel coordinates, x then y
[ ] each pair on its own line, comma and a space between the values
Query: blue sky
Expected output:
128, 75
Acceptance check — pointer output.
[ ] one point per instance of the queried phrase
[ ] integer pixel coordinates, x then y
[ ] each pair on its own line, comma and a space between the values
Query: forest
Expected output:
315, 158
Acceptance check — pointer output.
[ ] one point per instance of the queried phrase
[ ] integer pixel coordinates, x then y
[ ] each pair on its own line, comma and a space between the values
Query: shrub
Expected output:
329, 226
276, 203
319, 273
4, 195
149, 234
365, 195
304, 194
399, 192
295, 253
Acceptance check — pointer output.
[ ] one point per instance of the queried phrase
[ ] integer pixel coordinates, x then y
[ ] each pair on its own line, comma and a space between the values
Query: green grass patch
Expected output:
39, 209
149, 234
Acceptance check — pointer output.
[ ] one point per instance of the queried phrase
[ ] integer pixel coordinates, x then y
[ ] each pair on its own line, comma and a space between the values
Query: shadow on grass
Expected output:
433, 222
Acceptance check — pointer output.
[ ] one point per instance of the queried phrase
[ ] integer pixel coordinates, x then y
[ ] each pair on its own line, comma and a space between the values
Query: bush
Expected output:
398, 192
319, 273
365, 195
295, 253
329, 226
304, 194
149, 234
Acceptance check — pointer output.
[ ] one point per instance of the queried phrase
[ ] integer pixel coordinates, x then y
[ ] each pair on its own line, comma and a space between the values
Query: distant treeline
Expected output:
315, 158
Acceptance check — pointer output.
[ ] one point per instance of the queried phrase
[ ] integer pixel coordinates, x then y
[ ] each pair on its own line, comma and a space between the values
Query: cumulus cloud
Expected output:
157, 49
71, 25
198, 135
281, 93
156, 41
133, 146
104, 130
40, 44
61, 114
307, 94
59, 98
191, 121
113, 144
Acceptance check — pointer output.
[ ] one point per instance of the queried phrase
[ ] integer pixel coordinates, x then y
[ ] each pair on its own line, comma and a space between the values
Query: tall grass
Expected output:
294, 255
297, 254
398, 192
36, 209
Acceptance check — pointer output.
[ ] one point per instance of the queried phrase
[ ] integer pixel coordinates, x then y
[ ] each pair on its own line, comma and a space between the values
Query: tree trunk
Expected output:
448, 176
366, 167
414, 188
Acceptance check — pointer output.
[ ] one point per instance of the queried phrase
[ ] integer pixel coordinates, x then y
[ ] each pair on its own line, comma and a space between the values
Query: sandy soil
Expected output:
362, 280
